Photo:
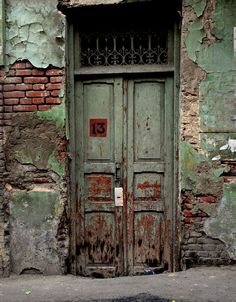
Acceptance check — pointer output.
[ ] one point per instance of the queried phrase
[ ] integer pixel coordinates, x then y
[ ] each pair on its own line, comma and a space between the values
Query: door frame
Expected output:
71, 77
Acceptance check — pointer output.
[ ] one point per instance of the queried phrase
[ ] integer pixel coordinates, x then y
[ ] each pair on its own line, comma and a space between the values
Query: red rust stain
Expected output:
99, 187
151, 190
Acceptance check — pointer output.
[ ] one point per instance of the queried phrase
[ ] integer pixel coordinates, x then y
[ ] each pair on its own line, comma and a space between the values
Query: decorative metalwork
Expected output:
123, 48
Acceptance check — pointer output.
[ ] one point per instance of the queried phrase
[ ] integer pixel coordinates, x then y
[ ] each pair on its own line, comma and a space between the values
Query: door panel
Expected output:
124, 139
147, 202
99, 137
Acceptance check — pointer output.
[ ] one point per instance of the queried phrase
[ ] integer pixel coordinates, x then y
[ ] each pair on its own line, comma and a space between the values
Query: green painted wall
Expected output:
209, 44
34, 31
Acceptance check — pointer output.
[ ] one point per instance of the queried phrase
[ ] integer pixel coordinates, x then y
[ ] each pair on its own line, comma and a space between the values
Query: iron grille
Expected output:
123, 48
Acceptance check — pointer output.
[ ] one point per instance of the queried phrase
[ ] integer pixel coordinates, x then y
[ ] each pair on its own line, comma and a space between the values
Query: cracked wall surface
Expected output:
37, 35
207, 151
33, 196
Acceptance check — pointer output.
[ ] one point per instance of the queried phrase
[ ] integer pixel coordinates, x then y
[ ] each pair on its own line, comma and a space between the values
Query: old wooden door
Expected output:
124, 129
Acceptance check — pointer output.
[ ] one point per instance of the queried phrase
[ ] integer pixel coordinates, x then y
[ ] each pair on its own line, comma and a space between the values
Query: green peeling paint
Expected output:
198, 173
55, 165
35, 31
56, 114
198, 5
217, 58
38, 210
194, 39
223, 225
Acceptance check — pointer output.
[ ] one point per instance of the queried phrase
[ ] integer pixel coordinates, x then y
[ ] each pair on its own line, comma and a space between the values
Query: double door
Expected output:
124, 175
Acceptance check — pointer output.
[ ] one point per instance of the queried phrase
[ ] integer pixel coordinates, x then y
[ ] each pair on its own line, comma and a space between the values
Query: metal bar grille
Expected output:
123, 48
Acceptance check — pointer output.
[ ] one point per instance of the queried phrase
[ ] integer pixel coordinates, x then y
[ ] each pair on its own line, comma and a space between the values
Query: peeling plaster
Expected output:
223, 225
198, 6
37, 35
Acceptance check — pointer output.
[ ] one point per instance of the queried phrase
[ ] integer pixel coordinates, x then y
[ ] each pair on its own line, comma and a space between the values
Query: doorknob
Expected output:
118, 179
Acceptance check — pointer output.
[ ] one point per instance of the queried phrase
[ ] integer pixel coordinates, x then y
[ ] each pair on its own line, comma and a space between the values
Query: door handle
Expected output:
118, 179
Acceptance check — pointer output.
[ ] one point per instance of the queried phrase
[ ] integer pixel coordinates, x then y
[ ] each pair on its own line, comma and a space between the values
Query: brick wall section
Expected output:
28, 89
24, 88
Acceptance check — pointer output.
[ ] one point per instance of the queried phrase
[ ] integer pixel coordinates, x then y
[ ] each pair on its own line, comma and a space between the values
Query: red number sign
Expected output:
98, 127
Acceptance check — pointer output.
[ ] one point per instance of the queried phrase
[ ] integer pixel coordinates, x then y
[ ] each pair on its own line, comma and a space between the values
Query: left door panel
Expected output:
99, 136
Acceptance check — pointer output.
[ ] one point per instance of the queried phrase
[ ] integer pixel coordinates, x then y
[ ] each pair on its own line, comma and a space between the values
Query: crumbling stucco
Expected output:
34, 31
223, 224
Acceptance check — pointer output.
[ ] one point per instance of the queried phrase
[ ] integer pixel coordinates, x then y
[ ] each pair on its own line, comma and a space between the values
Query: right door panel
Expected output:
149, 174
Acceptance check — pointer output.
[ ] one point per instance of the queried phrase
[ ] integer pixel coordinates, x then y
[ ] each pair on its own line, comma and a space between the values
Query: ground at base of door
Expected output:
203, 284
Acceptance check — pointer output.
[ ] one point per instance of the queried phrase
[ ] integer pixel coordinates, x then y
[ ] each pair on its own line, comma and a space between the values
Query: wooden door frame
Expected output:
71, 76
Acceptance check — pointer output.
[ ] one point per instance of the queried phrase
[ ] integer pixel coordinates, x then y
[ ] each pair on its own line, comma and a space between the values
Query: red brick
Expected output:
38, 86
25, 101
54, 72
38, 101
24, 86
11, 72
187, 213
41, 180
55, 93
11, 101
1, 109
53, 86
35, 80
28, 65
38, 72
44, 107
13, 80
24, 72
8, 108
19, 65
8, 123
1, 95
1, 102
9, 87
188, 220
37, 94
53, 101
14, 94
55, 79
208, 199
7, 116
26, 108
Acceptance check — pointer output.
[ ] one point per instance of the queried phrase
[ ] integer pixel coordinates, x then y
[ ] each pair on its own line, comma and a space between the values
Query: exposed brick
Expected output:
1, 102
14, 94
36, 94
35, 80
13, 80
8, 116
38, 72
1, 109
187, 213
23, 86
55, 79
208, 199
28, 65
8, 123
25, 101
8, 108
19, 65
38, 86
9, 87
188, 220
55, 93
41, 180
53, 86
53, 101
44, 107
54, 72
11, 101
23, 72
38, 100
26, 108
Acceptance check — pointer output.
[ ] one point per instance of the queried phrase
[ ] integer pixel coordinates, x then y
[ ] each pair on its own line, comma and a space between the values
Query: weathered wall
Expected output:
33, 216
208, 161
